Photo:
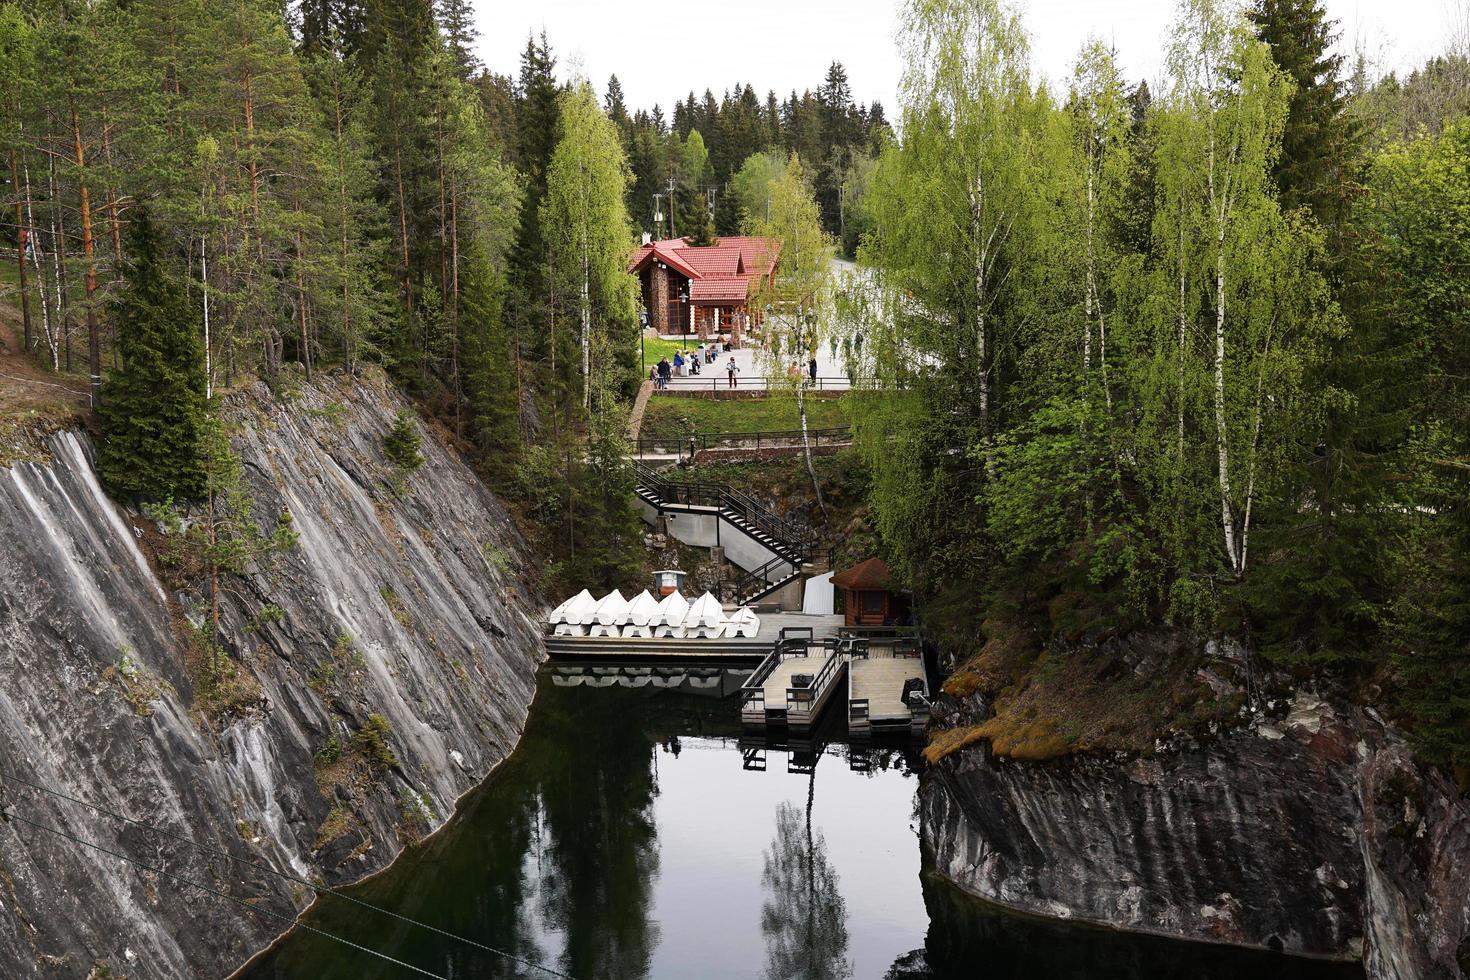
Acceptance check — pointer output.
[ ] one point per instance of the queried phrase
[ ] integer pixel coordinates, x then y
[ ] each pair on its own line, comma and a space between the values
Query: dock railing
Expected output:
792, 641
803, 698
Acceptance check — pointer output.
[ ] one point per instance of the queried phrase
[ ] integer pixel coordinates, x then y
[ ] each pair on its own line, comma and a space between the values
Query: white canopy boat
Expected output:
640, 615
704, 617
669, 620
609, 616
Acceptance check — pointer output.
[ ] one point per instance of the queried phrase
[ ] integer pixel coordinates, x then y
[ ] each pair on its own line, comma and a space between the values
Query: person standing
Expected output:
678, 364
732, 370
664, 371
812, 369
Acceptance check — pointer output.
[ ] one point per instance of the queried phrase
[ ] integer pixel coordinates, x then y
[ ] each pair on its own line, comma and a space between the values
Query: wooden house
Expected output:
704, 290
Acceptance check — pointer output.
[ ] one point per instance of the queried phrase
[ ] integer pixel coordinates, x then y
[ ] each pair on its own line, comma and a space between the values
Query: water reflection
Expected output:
631, 835
803, 918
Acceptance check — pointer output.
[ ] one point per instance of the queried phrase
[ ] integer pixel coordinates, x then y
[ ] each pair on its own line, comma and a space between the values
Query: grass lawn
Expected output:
669, 417
656, 347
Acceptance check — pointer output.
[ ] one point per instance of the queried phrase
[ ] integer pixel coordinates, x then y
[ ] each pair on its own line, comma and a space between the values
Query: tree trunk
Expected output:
403, 227
22, 232
454, 308
301, 309
586, 329
94, 342
1179, 350
806, 444
58, 261
982, 352
344, 254
1222, 443
204, 284
33, 238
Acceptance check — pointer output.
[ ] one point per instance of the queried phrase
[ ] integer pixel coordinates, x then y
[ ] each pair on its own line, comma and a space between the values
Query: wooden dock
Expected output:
877, 677
795, 682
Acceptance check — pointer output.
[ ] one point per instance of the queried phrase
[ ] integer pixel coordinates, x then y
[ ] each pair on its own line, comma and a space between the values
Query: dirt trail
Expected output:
24, 385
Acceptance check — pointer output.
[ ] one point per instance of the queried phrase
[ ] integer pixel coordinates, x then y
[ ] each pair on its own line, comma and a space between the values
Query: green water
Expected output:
632, 834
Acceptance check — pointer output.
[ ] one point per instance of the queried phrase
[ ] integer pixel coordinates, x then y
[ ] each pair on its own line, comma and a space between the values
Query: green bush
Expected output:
402, 443
372, 741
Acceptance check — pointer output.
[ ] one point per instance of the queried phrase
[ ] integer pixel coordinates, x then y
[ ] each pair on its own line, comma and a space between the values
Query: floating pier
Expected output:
795, 682
887, 688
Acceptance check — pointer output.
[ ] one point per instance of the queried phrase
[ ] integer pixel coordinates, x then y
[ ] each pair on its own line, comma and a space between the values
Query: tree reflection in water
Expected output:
803, 916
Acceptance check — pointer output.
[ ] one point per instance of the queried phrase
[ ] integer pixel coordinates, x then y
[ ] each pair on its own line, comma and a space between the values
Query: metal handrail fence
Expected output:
763, 439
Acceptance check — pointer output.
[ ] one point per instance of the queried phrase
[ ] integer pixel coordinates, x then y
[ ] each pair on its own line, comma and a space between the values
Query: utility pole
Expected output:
658, 212
671, 207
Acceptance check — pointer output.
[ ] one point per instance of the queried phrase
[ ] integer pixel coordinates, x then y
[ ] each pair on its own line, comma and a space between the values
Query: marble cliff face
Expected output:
1313, 833
398, 612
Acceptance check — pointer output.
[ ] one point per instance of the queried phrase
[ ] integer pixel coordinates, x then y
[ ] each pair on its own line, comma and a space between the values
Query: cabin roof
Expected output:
732, 257
872, 574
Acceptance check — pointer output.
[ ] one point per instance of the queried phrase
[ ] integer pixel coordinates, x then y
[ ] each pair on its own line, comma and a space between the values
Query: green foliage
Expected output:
586, 179
402, 442
372, 741
155, 408
330, 752
1319, 142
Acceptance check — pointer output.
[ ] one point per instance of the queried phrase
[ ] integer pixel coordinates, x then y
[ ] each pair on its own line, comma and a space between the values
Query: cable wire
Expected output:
219, 894
205, 848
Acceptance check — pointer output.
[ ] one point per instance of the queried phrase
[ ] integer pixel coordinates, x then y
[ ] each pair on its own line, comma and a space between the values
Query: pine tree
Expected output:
616, 108
154, 409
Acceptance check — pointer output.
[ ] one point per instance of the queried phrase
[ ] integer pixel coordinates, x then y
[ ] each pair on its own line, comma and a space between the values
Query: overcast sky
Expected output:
662, 51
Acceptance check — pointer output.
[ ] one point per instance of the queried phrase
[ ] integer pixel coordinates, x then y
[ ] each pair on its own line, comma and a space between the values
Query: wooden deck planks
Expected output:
880, 679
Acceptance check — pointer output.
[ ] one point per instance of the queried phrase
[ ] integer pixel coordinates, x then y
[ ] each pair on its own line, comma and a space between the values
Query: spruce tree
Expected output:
537, 127
154, 409
1319, 146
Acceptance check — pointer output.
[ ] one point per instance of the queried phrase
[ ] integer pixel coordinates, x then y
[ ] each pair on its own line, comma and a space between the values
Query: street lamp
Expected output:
642, 332
684, 327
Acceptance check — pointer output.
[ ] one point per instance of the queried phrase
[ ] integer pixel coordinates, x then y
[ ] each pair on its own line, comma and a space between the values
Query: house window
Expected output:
872, 603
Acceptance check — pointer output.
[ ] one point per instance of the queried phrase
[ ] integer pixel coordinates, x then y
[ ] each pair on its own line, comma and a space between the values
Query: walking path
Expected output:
753, 363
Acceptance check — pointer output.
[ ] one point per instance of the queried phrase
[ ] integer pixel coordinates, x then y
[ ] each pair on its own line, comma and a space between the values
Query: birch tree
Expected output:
799, 297
954, 207
1229, 104
587, 230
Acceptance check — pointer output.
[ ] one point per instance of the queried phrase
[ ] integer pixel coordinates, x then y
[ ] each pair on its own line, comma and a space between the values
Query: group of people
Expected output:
687, 363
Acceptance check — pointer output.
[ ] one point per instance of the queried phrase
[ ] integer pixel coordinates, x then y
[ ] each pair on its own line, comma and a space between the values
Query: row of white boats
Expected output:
648, 617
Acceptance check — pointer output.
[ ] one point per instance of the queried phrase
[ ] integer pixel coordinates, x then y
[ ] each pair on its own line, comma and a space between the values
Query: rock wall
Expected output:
1313, 834
400, 600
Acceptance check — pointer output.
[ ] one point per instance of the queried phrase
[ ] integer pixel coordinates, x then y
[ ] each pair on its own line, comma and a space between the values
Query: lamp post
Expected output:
642, 332
684, 327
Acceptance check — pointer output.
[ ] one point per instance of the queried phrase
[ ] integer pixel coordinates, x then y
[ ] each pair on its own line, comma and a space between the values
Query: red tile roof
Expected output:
731, 260
719, 289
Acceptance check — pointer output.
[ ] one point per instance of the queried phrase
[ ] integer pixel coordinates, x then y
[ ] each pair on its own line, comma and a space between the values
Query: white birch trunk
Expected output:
47, 328
204, 283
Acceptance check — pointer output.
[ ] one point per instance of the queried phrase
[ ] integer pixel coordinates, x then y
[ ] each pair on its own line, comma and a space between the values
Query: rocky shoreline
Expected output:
1311, 832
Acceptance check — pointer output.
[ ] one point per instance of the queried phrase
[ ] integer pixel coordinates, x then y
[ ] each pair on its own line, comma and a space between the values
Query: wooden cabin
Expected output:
867, 599
704, 290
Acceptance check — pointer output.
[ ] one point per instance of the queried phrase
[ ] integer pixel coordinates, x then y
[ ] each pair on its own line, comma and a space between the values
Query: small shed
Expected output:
668, 581
867, 599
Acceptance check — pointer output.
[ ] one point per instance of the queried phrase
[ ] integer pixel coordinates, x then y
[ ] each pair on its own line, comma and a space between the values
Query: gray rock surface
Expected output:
1314, 834
398, 602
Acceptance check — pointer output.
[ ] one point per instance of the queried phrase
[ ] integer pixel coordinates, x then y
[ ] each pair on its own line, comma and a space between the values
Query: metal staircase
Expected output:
793, 543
